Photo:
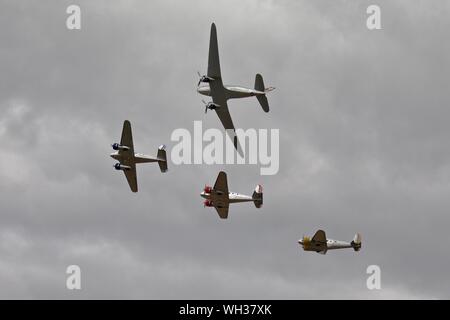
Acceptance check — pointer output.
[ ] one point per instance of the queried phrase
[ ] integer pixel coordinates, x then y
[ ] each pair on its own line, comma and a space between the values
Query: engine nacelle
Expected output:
207, 189
306, 242
207, 203
117, 146
119, 166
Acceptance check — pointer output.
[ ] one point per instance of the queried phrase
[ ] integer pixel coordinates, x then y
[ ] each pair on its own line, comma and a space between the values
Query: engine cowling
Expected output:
207, 203
207, 189
306, 241
117, 146
119, 166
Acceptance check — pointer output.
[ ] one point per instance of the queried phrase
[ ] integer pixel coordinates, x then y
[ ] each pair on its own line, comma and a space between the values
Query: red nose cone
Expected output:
207, 189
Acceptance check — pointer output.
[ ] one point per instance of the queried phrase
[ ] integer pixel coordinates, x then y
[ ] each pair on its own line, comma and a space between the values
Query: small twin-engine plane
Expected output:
220, 93
220, 198
128, 159
320, 244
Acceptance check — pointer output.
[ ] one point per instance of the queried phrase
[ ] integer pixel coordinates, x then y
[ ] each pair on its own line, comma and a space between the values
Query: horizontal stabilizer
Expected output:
356, 243
258, 196
162, 158
259, 86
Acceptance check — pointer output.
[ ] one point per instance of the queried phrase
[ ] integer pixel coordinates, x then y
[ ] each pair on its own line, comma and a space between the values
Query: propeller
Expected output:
206, 106
200, 78
210, 105
203, 78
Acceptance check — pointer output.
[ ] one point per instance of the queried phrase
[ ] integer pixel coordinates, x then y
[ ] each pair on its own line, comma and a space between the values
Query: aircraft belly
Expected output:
143, 159
233, 198
236, 93
240, 200
338, 246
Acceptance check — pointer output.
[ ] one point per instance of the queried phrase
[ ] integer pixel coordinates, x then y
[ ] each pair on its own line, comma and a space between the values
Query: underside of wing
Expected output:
127, 138
222, 211
213, 58
132, 178
218, 92
221, 185
320, 237
224, 115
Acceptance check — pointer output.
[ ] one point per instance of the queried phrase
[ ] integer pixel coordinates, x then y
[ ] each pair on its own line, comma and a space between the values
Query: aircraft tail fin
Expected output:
259, 86
356, 243
258, 196
162, 158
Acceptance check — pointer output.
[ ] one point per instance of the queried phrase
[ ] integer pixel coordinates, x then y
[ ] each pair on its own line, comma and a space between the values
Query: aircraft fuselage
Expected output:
137, 158
233, 197
232, 92
331, 244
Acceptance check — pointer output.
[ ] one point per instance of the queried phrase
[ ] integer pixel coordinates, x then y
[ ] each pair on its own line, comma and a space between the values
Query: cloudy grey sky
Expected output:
363, 119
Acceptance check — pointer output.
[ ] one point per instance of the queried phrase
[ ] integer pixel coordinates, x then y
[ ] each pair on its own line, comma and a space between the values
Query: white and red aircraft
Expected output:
220, 198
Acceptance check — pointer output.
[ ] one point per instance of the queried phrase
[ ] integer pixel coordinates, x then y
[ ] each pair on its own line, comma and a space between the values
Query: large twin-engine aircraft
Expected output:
220, 93
320, 244
220, 198
128, 159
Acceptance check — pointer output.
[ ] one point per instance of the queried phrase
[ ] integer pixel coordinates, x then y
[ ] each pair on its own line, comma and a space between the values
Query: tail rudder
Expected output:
162, 158
258, 196
259, 86
356, 243
259, 83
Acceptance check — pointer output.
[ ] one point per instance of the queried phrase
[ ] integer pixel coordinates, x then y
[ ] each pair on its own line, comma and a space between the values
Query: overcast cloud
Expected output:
363, 119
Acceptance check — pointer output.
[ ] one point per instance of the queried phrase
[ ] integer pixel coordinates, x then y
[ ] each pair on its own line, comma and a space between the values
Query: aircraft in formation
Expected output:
221, 93
128, 159
320, 244
220, 198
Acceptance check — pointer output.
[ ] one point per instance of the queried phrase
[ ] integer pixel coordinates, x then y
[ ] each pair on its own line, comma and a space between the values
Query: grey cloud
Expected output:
363, 142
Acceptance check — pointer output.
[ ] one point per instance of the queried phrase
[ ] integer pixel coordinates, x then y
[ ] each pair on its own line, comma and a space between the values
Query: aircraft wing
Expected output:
224, 116
222, 211
320, 237
221, 200
131, 176
127, 139
128, 156
221, 185
218, 93
213, 58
